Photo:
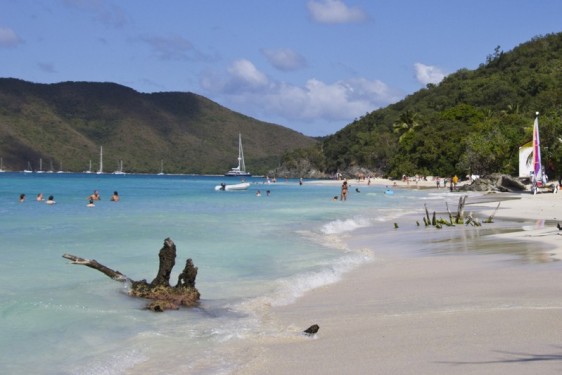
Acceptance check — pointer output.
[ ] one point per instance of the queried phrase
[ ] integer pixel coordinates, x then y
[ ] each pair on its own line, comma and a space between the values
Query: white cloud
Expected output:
428, 74
250, 91
335, 11
9, 38
284, 59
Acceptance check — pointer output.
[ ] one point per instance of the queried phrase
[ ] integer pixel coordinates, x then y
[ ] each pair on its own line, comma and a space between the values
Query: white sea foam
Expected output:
346, 225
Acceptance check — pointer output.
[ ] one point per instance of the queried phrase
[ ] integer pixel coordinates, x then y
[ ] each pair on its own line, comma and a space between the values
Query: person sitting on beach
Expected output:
90, 203
39, 197
50, 200
22, 198
115, 197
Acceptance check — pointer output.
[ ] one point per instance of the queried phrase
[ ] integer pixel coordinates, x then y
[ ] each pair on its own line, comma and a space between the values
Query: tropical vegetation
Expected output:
473, 122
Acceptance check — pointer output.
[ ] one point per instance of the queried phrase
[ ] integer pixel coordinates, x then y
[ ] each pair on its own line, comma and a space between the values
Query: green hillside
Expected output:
66, 123
474, 121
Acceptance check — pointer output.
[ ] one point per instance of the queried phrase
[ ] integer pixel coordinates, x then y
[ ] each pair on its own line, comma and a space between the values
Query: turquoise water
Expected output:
252, 252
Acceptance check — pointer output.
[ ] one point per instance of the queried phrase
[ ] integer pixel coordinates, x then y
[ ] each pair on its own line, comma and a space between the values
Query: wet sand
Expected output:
435, 306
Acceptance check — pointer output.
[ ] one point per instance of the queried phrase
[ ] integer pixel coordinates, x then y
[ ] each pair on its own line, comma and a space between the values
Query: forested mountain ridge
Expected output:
474, 121
66, 123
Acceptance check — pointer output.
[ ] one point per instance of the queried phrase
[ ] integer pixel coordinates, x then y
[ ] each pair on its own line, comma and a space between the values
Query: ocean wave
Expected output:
290, 289
343, 226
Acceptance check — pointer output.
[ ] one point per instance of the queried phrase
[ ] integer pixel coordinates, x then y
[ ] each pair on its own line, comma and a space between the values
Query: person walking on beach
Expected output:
343, 195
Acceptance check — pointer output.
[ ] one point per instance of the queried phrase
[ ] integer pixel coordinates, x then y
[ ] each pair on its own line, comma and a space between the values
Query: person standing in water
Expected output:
115, 197
343, 196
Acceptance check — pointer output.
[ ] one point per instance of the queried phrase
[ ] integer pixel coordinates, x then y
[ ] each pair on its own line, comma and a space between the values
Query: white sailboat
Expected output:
2, 165
60, 168
100, 171
28, 169
51, 170
90, 168
240, 170
40, 166
161, 168
119, 168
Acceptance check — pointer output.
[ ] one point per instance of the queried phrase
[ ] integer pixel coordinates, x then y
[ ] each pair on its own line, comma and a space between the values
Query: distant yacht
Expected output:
28, 169
90, 168
2, 165
161, 168
60, 168
51, 170
100, 171
240, 170
40, 166
119, 168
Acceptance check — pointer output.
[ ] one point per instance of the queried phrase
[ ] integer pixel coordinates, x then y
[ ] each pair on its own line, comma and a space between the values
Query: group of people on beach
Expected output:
95, 196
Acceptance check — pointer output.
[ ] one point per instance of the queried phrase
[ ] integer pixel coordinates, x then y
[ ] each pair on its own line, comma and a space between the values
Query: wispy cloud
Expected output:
174, 47
104, 12
169, 47
246, 87
428, 74
284, 59
335, 11
46, 67
9, 38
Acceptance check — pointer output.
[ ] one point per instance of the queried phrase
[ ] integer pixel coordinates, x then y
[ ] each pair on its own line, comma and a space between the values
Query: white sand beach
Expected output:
458, 312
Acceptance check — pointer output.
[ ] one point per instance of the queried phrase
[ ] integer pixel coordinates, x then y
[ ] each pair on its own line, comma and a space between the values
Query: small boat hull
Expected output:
233, 187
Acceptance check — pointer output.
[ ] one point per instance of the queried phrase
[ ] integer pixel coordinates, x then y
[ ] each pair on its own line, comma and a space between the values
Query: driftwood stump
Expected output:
162, 295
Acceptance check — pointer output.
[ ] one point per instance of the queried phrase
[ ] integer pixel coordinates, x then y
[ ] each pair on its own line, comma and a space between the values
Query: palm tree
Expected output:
406, 123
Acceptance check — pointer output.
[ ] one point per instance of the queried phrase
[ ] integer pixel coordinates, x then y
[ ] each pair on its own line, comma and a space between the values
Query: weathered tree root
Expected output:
163, 296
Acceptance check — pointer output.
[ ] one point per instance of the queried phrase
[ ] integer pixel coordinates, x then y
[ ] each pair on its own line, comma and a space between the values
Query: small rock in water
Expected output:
312, 329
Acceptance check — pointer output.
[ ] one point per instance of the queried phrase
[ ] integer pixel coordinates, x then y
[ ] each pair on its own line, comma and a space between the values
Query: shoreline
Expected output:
415, 312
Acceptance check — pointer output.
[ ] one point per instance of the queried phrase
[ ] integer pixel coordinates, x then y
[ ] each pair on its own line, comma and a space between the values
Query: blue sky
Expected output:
310, 65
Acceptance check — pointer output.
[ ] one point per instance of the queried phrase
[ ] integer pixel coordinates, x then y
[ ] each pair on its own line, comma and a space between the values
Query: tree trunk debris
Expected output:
162, 295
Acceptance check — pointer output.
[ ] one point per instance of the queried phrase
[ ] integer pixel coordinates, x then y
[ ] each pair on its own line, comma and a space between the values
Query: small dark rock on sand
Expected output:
312, 329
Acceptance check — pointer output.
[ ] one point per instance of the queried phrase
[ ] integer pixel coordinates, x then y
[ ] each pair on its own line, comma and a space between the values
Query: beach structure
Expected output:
526, 159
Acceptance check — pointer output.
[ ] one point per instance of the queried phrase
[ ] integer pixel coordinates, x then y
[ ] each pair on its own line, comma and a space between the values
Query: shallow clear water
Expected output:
252, 252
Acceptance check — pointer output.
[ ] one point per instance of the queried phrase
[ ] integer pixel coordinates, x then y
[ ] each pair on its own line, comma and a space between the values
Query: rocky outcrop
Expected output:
495, 183
299, 169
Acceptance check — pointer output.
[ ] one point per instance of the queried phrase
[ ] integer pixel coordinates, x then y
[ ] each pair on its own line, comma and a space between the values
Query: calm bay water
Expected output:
252, 252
